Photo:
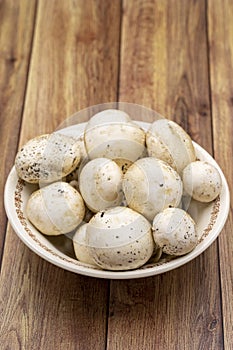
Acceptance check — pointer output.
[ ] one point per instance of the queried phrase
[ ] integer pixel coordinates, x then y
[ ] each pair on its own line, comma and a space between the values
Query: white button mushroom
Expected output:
100, 184
168, 141
202, 181
112, 134
119, 239
150, 185
174, 231
55, 209
47, 158
81, 248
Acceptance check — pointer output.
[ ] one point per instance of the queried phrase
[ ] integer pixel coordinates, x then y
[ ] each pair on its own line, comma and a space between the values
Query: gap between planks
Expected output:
213, 153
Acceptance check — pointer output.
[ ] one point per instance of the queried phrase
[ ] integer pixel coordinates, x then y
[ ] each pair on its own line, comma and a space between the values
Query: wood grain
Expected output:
168, 70
16, 33
74, 64
220, 31
168, 48
45, 307
166, 43
76, 54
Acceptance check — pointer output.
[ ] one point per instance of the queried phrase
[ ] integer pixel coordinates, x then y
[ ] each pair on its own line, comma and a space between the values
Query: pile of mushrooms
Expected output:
118, 189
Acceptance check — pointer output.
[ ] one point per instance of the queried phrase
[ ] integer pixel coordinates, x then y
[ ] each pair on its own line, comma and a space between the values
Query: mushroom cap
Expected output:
81, 248
119, 239
151, 185
202, 181
47, 158
174, 231
55, 209
168, 141
100, 184
112, 134
108, 116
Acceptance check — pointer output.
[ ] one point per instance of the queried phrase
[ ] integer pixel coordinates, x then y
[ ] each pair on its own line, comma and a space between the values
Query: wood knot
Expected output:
212, 325
203, 111
86, 37
11, 59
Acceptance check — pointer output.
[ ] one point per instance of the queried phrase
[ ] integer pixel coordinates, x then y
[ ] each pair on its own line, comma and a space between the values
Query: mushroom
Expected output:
80, 246
150, 185
174, 231
100, 184
112, 134
202, 181
119, 239
168, 141
47, 158
55, 209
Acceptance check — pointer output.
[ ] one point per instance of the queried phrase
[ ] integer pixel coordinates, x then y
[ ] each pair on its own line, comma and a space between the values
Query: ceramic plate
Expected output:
210, 219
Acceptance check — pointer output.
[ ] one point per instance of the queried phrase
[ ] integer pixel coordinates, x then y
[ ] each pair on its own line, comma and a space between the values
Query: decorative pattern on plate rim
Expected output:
213, 218
18, 208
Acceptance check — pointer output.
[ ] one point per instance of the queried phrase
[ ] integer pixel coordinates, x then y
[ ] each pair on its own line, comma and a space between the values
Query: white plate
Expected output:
210, 219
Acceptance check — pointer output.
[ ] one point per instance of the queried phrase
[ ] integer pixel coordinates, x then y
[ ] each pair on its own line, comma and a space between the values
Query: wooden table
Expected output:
59, 56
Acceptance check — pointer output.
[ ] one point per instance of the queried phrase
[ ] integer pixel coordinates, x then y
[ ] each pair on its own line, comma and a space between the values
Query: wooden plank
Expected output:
166, 47
220, 30
16, 31
76, 53
168, 71
45, 307
74, 64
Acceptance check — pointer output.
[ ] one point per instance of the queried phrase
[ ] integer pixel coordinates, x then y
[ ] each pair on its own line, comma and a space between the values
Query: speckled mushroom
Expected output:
150, 185
168, 141
112, 134
100, 184
119, 239
47, 158
202, 181
55, 209
174, 231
